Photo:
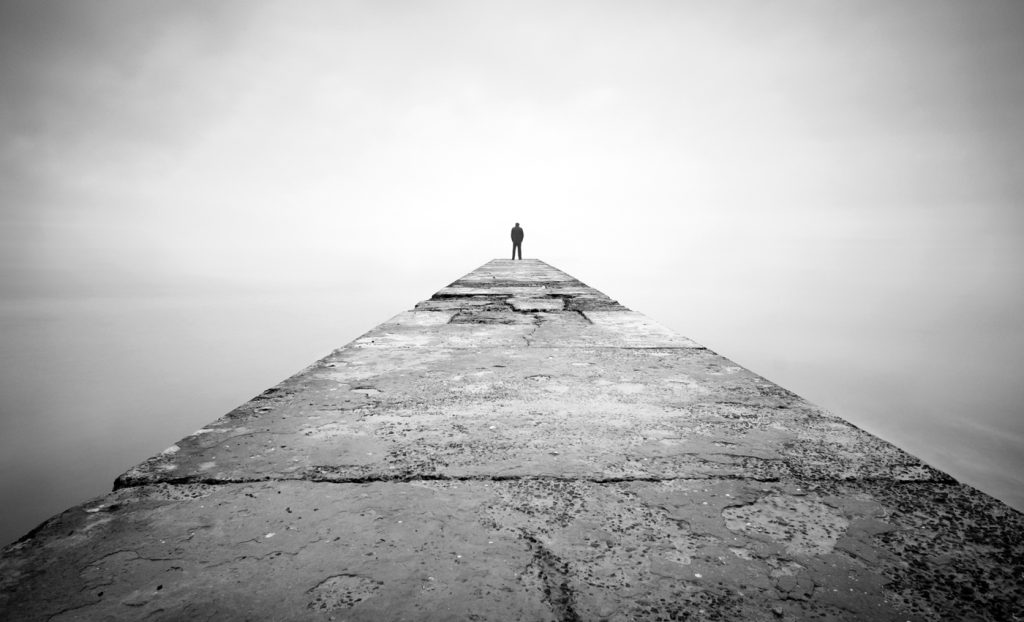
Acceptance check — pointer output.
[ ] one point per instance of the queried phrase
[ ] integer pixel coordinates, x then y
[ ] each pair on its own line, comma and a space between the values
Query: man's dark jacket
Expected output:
517, 234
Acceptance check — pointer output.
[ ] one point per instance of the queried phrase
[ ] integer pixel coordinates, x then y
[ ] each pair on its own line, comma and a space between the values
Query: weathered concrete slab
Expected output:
522, 447
595, 413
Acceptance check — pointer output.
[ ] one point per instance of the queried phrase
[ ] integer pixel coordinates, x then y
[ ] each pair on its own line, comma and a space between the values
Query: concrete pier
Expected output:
522, 447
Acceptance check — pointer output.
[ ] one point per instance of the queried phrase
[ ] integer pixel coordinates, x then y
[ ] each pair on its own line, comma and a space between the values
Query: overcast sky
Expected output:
145, 142
840, 182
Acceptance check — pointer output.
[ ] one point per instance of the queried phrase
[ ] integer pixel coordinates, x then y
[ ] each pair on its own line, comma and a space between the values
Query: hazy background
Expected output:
200, 198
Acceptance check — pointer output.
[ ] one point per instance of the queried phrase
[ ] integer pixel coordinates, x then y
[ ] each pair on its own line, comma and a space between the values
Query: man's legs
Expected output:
517, 246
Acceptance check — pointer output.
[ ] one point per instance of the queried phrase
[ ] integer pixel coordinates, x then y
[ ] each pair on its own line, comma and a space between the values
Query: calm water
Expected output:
92, 386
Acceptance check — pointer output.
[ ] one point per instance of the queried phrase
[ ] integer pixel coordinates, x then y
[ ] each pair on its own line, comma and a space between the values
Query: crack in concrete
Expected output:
554, 573
537, 320
320, 477
239, 558
96, 562
70, 609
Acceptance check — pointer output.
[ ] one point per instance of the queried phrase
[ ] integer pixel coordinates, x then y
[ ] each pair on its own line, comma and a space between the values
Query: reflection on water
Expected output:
91, 387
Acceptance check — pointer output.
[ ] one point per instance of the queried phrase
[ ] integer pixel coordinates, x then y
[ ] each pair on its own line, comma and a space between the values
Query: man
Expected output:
517, 241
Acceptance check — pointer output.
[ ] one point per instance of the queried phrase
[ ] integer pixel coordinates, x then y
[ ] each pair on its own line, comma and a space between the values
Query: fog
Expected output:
200, 199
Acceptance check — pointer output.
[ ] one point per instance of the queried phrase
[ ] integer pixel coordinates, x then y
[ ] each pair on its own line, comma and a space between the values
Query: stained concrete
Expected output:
523, 447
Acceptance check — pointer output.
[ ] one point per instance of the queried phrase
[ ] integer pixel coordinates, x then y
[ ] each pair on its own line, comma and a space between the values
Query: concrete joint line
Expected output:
405, 479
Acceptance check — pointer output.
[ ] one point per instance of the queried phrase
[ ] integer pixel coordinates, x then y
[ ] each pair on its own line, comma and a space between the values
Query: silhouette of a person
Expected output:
517, 241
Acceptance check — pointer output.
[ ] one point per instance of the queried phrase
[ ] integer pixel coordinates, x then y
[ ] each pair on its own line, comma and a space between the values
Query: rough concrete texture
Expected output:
522, 447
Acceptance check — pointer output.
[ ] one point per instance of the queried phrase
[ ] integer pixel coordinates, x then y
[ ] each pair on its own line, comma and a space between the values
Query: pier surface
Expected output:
522, 447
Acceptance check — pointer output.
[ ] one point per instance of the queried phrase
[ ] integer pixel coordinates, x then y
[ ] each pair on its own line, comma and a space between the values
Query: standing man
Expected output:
517, 241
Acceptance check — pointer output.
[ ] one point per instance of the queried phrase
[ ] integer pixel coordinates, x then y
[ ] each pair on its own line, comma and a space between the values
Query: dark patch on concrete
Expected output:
961, 552
554, 575
342, 591
580, 304
485, 317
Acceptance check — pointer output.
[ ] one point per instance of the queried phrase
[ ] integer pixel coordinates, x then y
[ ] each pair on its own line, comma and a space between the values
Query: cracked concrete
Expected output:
521, 446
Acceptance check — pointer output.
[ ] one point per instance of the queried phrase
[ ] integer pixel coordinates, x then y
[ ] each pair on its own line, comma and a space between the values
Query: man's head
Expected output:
517, 224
